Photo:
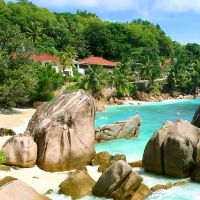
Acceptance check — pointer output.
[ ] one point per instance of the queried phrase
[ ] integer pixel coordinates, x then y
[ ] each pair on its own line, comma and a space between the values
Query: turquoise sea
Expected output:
153, 116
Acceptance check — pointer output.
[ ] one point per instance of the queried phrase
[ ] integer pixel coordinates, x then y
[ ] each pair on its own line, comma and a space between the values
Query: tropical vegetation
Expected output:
145, 52
2, 159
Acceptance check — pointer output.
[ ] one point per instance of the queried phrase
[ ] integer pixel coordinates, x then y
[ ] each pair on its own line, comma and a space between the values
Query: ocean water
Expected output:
153, 116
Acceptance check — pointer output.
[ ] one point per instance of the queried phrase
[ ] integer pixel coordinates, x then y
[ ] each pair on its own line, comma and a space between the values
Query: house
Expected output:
46, 59
82, 66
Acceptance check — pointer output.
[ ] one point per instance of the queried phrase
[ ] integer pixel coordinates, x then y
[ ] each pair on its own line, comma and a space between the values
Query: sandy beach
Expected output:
40, 180
17, 121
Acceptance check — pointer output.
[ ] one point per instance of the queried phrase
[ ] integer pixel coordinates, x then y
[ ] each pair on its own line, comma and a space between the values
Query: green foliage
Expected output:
70, 78
94, 81
184, 73
97, 78
73, 78
154, 89
85, 31
121, 80
194, 48
76, 73
33, 31
47, 96
15, 68
48, 82
72, 87
96, 35
2, 158
140, 44
67, 57
146, 64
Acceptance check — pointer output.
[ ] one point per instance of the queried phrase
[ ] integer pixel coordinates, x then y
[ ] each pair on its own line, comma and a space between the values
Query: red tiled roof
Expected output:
45, 57
97, 61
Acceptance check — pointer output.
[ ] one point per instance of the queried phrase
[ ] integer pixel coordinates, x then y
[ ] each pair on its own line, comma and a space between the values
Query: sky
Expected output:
179, 19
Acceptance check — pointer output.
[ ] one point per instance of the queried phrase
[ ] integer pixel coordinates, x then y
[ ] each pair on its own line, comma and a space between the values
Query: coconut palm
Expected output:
67, 57
34, 31
121, 79
94, 81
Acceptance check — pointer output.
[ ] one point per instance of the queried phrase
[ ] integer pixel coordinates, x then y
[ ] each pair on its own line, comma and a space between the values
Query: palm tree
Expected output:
94, 81
179, 72
34, 31
121, 79
149, 70
66, 58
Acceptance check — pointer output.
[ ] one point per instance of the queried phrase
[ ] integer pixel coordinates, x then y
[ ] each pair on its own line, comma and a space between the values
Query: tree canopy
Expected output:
143, 49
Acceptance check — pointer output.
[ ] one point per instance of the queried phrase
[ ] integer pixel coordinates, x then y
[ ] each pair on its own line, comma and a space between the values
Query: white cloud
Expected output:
143, 7
107, 5
177, 6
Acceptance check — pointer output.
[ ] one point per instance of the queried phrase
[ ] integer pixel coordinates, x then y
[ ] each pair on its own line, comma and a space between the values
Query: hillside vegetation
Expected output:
143, 49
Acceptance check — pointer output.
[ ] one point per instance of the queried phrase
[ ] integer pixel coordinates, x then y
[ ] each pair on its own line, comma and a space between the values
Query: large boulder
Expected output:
101, 158
131, 183
100, 104
108, 92
172, 150
121, 129
196, 118
141, 193
77, 185
64, 131
195, 175
111, 179
142, 96
18, 190
20, 150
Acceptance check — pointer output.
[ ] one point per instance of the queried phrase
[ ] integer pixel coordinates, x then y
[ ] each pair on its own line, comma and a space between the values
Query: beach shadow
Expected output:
9, 111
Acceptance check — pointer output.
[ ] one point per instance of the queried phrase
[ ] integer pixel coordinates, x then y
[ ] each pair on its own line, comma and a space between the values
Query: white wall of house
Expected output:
80, 69
68, 71
56, 68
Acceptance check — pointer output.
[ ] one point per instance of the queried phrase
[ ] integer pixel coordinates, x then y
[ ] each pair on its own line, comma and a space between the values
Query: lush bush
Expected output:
155, 90
49, 81
17, 70
76, 73
47, 96
73, 78
2, 158
69, 78
72, 87
132, 90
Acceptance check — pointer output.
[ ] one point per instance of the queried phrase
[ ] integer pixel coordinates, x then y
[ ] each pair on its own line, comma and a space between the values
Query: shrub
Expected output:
155, 90
72, 87
48, 96
76, 73
2, 158
49, 81
69, 78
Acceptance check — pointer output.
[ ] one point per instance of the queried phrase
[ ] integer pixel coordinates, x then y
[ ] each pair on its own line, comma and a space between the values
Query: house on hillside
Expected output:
47, 59
82, 66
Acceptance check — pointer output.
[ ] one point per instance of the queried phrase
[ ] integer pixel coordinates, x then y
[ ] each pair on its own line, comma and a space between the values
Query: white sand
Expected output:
17, 122
40, 180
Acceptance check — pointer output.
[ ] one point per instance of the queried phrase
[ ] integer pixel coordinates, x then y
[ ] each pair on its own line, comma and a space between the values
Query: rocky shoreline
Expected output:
55, 131
106, 98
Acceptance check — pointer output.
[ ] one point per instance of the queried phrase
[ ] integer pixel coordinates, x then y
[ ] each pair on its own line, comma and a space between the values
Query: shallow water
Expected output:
153, 116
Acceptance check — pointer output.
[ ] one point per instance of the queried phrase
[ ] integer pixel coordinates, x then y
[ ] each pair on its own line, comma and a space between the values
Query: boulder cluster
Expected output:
61, 136
174, 150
